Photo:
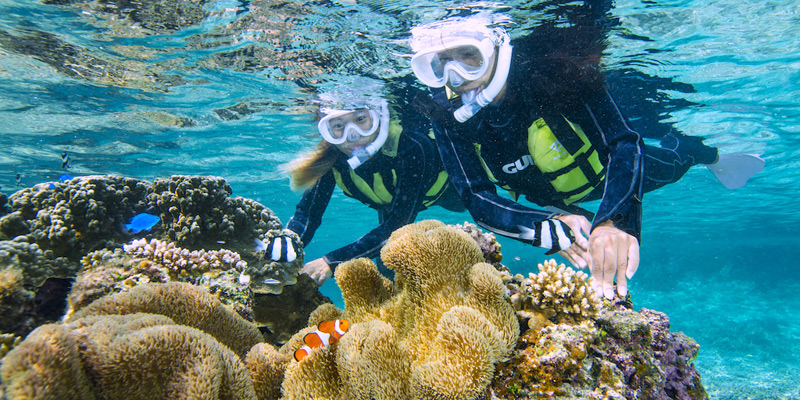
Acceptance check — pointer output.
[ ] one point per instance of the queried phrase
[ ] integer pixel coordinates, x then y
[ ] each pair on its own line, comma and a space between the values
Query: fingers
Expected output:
620, 266
633, 259
598, 256
580, 227
609, 250
577, 256
609, 268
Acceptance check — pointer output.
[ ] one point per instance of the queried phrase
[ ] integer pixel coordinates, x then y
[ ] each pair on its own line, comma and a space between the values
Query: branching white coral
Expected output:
183, 260
558, 290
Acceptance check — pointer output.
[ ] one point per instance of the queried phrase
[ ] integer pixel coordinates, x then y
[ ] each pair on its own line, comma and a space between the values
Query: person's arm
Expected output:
491, 211
614, 240
308, 213
416, 165
622, 196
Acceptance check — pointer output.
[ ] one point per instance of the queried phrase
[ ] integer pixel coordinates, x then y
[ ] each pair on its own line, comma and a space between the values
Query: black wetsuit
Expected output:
417, 166
501, 131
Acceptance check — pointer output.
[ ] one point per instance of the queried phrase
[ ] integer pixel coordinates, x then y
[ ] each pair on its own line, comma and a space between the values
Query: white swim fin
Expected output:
733, 170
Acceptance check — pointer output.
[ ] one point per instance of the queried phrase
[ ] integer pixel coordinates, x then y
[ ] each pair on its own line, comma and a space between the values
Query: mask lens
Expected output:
468, 58
351, 126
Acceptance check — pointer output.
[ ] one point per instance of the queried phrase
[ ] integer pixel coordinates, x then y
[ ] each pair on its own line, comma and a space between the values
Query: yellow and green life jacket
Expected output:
572, 175
377, 186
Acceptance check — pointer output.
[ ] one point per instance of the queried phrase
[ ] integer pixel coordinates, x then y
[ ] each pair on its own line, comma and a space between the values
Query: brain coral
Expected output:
435, 334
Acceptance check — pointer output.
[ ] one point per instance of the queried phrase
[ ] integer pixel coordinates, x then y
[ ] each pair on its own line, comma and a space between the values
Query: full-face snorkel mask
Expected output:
350, 125
458, 51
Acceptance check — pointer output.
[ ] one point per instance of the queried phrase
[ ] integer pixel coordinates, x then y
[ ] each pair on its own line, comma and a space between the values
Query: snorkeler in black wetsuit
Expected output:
540, 122
393, 167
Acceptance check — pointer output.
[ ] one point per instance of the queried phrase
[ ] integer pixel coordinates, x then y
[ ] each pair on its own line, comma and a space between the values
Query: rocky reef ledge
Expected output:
166, 314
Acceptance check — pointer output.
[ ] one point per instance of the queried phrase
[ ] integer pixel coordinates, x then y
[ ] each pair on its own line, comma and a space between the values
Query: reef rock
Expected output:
579, 347
436, 333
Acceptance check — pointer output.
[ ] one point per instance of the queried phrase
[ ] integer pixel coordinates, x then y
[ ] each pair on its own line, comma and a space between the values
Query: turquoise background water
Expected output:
219, 90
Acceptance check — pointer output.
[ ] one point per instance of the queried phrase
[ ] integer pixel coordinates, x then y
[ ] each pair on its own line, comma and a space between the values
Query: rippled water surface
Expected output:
148, 89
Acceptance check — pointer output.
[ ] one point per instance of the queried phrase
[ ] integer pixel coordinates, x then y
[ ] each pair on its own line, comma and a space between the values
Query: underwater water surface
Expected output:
220, 88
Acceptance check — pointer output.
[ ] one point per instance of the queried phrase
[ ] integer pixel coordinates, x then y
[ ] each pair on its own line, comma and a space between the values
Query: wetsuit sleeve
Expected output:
416, 165
308, 213
622, 196
488, 209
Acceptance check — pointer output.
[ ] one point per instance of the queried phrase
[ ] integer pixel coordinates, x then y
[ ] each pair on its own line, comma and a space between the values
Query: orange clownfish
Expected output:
328, 332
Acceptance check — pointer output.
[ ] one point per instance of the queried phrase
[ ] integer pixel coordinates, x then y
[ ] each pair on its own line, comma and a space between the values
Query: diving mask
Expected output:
339, 126
456, 61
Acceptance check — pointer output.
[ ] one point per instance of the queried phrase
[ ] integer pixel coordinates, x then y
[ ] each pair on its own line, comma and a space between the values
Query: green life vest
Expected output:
572, 175
377, 190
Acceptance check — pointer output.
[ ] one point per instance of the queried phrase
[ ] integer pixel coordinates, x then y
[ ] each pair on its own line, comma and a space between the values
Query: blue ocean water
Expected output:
219, 88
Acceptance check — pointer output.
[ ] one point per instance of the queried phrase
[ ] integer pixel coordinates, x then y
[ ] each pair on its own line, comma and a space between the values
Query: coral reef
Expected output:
281, 316
185, 304
56, 229
486, 240
557, 292
138, 356
74, 217
175, 337
436, 333
597, 351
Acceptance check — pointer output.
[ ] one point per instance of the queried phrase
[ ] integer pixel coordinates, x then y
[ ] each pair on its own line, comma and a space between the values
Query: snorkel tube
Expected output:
362, 154
487, 95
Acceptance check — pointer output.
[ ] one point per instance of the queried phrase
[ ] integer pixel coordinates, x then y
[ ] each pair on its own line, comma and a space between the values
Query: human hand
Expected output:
614, 252
279, 248
318, 270
578, 253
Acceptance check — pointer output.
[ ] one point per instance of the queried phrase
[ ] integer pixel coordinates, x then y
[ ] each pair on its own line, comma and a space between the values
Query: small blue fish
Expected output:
142, 222
65, 177
51, 186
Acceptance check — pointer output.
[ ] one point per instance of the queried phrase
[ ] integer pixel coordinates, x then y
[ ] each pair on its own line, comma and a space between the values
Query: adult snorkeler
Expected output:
539, 122
389, 164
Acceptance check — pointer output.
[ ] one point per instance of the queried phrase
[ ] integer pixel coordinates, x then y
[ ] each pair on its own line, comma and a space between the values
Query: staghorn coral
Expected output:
136, 356
219, 271
142, 262
556, 293
184, 262
436, 333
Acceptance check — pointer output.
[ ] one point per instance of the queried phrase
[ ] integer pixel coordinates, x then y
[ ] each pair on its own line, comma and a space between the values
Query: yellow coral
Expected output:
436, 334
139, 356
7, 342
185, 304
266, 367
